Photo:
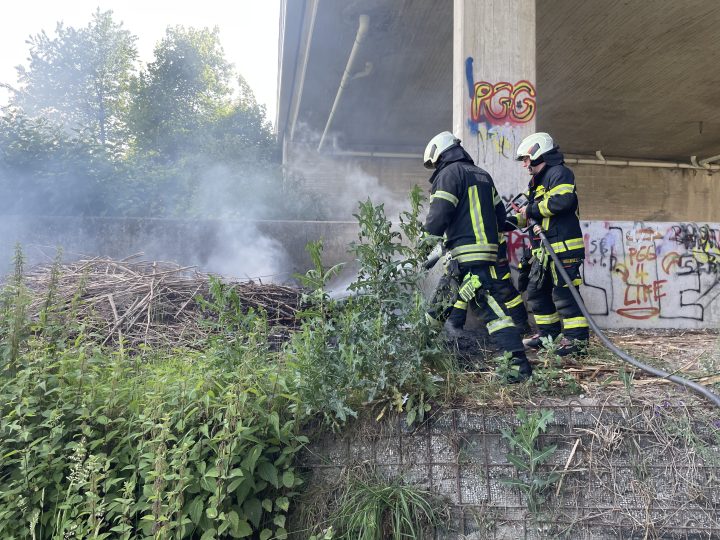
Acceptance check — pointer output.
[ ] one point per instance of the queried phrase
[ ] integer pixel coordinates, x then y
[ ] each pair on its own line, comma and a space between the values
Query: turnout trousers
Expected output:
488, 303
550, 300
508, 296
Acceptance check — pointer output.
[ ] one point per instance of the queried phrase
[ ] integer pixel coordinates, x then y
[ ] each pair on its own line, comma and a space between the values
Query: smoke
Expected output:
343, 180
250, 255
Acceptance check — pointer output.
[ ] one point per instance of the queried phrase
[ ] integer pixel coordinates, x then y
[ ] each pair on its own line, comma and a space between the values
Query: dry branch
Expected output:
150, 302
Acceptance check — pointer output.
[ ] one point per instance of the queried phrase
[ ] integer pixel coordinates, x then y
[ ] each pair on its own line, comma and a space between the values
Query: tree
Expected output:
80, 79
182, 92
44, 171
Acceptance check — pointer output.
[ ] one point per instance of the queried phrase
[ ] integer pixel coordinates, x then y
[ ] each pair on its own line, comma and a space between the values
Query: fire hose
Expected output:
696, 387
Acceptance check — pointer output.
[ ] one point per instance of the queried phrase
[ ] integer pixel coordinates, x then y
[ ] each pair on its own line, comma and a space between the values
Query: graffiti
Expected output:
497, 139
495, 108
499, 103
659, 275
516, 242
702, 243
653, 273
502, 102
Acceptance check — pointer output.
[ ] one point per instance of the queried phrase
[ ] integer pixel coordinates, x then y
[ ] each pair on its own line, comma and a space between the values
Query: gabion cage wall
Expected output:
650, 472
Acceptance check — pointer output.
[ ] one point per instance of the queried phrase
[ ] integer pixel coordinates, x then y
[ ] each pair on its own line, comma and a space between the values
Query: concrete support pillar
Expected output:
494, 99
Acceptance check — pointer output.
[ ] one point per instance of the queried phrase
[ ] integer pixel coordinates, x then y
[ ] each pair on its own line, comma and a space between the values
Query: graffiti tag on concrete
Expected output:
648, 274
495, 107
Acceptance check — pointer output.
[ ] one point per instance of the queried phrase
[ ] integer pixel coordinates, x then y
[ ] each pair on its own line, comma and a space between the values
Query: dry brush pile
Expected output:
148, 302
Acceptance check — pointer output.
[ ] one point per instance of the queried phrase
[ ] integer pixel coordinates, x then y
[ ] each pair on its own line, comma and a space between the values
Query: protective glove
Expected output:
537, 271
524, 267
469, 287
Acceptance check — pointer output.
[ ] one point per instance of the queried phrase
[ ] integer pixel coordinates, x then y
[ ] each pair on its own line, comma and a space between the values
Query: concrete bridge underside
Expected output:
628, 78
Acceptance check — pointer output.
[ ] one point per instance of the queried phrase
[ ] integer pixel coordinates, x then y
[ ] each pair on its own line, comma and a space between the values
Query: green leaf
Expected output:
232, 486
265, 534
288, 479
412, 413
279, 520
251, 459
517, 462
268, 472
283, 503
236, 472
211, 512
512, 482
267, 505
274, 420
253, 510
242, 530
195, 509
209, 535
208, 484
233, 518
545, 454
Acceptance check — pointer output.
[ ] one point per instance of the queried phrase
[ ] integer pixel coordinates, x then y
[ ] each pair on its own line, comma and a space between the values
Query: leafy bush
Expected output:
111, 443
184, 444
376, 344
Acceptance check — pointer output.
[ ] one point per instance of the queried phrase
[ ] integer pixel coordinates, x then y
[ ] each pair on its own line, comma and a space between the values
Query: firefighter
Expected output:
466, 208
552, 208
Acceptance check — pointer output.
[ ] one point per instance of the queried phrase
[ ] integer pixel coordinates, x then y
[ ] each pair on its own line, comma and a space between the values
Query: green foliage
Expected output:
375, 346
80, 79
184, 89
95, 444
14, 321
549, 376
102, 443
528, 458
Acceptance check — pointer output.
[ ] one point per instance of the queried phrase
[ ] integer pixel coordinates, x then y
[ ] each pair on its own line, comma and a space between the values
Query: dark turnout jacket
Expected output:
554, 206
465, 207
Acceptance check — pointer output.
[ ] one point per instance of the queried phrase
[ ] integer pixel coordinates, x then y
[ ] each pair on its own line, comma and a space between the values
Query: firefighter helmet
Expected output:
437, 145
534, 146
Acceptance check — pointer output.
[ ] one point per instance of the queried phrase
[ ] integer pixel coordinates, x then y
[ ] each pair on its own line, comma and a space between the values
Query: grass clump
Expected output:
377, 510
367, 506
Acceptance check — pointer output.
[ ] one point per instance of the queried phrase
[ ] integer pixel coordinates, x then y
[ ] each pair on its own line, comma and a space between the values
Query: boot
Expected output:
520, 369
577, 348
533, 342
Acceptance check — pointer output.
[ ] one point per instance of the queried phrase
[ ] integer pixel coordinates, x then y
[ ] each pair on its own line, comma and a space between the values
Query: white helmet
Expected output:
534, 146
437, 145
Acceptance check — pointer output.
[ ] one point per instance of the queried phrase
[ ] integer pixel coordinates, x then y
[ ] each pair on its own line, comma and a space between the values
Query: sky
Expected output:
248, 32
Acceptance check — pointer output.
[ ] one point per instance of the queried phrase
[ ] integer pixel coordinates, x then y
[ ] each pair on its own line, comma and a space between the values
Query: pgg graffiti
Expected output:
503, 102
499, 103
496, 109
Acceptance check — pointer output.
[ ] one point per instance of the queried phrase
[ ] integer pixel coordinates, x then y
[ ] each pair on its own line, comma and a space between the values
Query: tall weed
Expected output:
183, 444
375, 346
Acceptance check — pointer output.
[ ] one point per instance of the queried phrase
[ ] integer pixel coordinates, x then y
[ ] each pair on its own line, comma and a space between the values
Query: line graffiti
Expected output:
655, 272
